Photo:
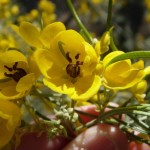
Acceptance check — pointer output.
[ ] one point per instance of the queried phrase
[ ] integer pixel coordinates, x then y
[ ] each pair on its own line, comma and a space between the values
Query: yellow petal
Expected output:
8, 124
86, 87
128, 80
25, 83
33, 67
43, 60
71, 42
140, 87
56, 71
102, 46
147, 71
10, 93
60, 85
138, 65
110, 56
15, 28
114, 70
97, 47
30, 34
50, 32
12, 56
133, 76
7, 83
104, 42
90, 60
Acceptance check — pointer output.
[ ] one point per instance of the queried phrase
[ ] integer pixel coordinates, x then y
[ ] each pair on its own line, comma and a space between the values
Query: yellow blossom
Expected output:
122, 74
10, 116
47, 18
96, 1
102, 45
4, 2
83, 7
46, 6
6, 41
34, 14
69, 67
16, 78
36, 38
139, 90
15, 10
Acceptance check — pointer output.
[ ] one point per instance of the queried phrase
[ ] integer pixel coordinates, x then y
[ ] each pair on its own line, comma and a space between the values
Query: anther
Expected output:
9, 69
68, 57
77, 56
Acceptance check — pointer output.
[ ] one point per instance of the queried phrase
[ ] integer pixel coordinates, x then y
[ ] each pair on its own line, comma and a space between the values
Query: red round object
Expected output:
89, 109
100, 137
36, 141
137, 146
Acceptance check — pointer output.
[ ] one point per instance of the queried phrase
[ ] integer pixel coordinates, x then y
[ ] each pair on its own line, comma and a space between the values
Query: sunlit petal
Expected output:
25, 83
30, 34
50, 31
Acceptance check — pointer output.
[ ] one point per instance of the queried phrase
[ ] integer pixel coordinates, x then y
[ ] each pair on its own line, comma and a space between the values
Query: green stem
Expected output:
132, 126
112, 43
31, 111
80, 24
41, 115
135, 137
140, 123
127, 128
124, 110
109, 16
137, 109
34, 113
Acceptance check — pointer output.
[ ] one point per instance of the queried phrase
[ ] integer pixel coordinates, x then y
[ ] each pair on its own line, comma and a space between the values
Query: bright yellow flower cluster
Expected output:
60, 62
72, 66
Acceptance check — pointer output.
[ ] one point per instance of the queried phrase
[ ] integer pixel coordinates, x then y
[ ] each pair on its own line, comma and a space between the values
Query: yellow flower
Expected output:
10, 116
102, 45
4, 2
33, 14
6, 41
83, 8
16, 77
36, 38
15, 10
122, 74
47, 6
96, 1
70, 66
139, 89
48, 18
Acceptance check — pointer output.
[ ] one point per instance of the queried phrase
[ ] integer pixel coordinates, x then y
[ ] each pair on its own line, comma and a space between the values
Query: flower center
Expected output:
73, 69
19, 72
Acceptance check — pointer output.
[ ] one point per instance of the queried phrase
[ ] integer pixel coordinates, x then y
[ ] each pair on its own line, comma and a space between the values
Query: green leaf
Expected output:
130, 55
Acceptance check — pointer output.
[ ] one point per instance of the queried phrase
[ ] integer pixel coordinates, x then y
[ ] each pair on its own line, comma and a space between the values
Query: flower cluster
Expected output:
48, 71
